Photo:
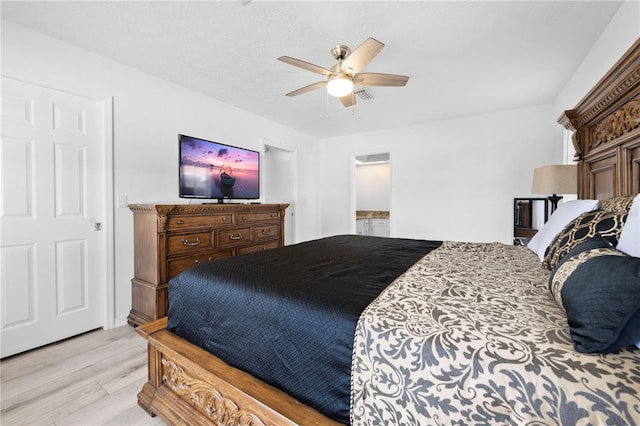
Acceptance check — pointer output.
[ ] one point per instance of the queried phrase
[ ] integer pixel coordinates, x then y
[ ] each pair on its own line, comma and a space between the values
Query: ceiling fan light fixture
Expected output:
339, 86
345, 74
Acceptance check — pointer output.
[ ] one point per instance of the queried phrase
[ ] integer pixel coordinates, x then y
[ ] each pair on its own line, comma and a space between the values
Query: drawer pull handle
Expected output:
234, 237
181, 222
224, 219
267, 231
244, 218
273, 215
191, 244
197, 262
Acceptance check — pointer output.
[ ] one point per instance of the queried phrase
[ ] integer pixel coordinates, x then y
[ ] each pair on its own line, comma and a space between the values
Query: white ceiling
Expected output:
463, 57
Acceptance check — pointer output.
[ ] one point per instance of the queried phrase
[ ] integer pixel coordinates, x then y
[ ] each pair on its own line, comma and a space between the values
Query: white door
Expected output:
53, 253
280, 178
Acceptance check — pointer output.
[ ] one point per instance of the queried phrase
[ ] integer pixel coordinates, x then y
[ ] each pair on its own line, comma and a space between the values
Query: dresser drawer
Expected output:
257, 217
187, 242
175, 266
178, 222
260, 247
233, 236
266, 232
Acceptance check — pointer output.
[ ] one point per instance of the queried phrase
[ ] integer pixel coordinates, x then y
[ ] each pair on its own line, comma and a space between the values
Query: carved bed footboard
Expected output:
188, 385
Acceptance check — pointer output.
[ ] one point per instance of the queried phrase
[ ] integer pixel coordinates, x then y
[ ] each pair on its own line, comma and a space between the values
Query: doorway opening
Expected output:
280, 177
373, 194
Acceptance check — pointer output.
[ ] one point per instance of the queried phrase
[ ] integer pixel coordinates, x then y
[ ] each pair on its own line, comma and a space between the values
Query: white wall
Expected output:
620, 34
373, 185
452, 179
149, 113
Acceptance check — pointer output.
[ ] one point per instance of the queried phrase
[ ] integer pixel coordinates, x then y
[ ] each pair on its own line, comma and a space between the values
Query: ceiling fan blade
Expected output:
305, 65
308, 88
361, 56
349, 99
380, 80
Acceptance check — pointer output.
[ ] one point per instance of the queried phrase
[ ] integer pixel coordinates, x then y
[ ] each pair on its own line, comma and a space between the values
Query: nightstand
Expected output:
529, 214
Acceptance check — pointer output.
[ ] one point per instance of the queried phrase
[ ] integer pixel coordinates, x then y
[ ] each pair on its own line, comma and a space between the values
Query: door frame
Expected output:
293, 152
110, 290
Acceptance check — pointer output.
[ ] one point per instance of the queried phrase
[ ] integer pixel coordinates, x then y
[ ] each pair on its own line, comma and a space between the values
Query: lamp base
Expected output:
554, 201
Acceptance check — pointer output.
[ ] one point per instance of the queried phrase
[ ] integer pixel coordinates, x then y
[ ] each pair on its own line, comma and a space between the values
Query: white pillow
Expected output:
564, 214
629, 241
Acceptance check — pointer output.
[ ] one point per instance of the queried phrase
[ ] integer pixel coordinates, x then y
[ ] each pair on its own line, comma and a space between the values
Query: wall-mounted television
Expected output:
213, 170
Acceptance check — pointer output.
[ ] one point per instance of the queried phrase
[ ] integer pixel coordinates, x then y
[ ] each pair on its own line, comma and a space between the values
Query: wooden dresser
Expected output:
169, 238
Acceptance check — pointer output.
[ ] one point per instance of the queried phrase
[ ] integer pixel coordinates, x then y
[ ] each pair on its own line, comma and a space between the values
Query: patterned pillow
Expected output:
588, 225
565, 213
599, 288
616, 205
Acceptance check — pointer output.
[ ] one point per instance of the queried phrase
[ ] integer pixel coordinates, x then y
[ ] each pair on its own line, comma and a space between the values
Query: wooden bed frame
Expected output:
188, 385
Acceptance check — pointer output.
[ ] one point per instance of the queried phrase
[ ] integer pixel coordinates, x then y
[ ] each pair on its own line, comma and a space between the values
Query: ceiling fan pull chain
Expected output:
327, 105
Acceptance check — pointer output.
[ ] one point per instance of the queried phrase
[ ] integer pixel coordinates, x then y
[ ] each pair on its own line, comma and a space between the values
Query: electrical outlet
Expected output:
122, 201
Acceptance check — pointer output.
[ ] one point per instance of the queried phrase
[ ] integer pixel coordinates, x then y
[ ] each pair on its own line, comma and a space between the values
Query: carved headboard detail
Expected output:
606, 131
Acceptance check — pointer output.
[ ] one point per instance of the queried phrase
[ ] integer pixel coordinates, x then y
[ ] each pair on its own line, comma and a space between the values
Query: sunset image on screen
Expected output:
214, 170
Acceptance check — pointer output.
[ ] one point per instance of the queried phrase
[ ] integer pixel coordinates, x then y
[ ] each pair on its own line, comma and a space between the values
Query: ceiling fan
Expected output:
346, 73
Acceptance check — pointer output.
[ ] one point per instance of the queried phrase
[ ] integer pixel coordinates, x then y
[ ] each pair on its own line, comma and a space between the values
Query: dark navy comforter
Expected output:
287, 316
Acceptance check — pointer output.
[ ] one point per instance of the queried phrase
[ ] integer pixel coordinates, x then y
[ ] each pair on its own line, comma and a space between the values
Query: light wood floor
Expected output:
91, 379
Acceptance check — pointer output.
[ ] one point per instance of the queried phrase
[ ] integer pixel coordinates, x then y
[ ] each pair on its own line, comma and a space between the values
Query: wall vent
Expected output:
364, 94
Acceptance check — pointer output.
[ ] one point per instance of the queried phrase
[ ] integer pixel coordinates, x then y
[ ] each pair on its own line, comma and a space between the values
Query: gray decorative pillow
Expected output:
599, 289
584, 251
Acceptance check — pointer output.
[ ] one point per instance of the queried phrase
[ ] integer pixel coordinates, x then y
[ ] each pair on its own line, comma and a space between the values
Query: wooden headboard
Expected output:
606, 126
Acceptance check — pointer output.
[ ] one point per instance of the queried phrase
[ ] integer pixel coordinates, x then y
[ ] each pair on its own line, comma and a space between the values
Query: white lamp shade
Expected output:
555, 179
339, 86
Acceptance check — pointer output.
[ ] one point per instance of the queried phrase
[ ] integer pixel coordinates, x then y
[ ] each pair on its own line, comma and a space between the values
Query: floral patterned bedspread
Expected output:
471, 335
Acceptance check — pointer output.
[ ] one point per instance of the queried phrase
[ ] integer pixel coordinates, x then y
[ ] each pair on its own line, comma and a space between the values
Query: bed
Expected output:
461, 333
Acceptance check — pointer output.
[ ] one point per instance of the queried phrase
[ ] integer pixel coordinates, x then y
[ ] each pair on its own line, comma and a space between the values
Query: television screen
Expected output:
214, 170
